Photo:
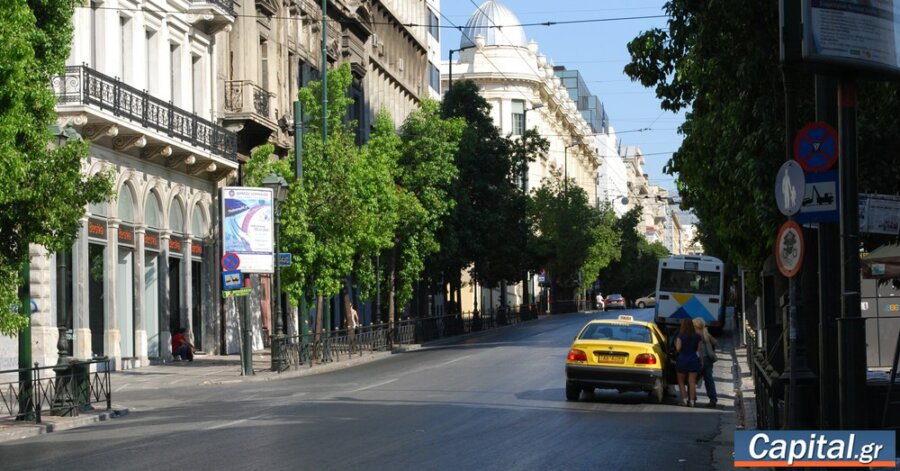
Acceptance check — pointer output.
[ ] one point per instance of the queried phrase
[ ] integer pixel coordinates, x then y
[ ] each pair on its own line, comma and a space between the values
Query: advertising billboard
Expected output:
248, 229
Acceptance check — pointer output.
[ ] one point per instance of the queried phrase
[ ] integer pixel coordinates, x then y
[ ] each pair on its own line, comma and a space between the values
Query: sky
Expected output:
598, 51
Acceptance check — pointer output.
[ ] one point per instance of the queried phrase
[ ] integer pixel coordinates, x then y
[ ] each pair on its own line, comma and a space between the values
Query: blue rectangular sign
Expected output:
820, 198
814, 448
285, 259
232, 280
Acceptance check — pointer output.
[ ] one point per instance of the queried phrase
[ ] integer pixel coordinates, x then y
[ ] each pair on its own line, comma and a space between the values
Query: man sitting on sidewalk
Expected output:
181, 348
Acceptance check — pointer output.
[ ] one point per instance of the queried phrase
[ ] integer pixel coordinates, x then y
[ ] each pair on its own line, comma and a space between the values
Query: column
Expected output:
187, 289
111, 336
165, 336
81, 330
140, 331
44, 334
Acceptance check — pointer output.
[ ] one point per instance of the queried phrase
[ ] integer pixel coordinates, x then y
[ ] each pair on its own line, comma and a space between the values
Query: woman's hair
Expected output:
700, 325
687, 327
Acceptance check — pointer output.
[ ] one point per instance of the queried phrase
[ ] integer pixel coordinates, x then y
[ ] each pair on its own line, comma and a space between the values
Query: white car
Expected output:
646, 301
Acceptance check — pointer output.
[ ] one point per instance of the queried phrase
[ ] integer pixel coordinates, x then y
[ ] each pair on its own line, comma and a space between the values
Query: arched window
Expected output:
126, 204
176, 217
198, 223
152, 212
97, 209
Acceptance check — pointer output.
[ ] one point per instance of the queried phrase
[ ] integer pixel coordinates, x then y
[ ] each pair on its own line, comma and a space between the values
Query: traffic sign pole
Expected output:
851, 326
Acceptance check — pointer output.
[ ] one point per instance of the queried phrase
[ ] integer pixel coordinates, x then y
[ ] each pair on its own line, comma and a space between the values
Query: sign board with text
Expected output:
852, 35
247, 227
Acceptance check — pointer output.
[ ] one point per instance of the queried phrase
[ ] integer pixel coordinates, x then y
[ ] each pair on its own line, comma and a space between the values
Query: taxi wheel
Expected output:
659, 390
573, 391
641, 305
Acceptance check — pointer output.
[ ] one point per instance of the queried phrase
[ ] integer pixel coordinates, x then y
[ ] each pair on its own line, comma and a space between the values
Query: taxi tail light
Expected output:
645, 359
577, 355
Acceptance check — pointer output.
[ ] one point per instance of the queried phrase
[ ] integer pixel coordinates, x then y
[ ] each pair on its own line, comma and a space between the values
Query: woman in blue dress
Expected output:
688, 363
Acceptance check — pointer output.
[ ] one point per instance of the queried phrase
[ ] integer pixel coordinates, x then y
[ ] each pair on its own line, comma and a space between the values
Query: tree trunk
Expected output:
320, 305
392, 291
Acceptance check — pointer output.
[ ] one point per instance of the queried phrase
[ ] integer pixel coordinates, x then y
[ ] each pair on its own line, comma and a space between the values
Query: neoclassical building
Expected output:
140, 86
520, 84
275, 48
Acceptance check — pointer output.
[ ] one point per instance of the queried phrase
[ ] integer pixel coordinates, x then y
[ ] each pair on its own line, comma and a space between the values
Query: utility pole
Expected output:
829, 277
790, 108
851, 325
302, 311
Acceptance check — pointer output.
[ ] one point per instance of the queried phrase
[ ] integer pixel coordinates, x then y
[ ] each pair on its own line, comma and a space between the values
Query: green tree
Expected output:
425, 176
322, 218
573, 238
42, 191
490, 205
634, 273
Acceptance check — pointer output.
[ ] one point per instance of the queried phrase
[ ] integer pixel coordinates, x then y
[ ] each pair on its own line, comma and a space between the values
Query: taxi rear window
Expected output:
624, 333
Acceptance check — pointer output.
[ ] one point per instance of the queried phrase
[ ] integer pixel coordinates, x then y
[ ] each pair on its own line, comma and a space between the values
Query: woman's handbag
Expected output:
710, 351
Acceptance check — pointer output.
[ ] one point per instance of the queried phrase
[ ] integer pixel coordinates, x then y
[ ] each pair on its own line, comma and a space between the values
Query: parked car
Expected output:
621, 354
615, 301
646, 301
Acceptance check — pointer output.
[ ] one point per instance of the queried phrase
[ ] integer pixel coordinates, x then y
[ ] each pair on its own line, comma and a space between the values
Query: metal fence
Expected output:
338, 345
62, 390
768, 386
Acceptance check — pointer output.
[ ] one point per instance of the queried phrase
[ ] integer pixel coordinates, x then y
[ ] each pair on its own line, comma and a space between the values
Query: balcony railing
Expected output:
240, 95
227, 5
84, 85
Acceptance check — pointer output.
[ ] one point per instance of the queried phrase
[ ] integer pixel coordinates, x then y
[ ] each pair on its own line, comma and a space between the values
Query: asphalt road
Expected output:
494, 400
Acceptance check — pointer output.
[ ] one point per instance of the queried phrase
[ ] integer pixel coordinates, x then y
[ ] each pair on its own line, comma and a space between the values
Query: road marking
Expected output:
233, 422
373, 385
451, 361
121, 387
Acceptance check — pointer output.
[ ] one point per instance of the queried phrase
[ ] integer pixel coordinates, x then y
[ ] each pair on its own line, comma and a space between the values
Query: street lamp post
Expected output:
524, 309
452, 51
279, 192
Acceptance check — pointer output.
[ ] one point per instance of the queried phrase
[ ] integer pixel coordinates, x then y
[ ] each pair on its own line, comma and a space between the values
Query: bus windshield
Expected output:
690, 281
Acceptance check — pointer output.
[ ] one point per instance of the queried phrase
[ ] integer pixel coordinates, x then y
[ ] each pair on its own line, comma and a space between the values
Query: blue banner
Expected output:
807, 448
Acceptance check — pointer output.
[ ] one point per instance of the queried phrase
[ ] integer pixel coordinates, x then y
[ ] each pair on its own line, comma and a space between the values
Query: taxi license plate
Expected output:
616, 359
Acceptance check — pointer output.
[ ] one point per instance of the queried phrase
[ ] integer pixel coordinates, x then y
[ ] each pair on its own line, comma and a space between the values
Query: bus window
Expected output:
680, 281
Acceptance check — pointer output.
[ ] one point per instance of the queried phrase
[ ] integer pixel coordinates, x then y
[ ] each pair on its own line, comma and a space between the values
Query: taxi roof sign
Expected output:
623, 317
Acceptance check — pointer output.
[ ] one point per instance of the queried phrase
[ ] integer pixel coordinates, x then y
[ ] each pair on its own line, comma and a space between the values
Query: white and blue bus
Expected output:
690, 286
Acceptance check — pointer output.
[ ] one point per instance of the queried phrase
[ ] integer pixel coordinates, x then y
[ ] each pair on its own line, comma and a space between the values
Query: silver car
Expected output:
646, 301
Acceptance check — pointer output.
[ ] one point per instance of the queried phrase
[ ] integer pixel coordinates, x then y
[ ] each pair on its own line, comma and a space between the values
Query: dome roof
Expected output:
483, 22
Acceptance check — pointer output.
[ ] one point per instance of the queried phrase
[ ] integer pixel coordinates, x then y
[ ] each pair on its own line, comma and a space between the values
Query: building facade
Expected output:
140, 86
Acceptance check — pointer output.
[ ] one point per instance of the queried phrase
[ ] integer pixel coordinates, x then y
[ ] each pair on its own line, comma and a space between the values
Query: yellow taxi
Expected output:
622, 354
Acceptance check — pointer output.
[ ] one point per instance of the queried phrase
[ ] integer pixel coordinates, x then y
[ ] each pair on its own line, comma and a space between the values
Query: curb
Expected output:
268, 375
19, 432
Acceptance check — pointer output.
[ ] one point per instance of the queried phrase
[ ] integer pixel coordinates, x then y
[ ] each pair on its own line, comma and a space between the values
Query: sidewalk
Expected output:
205, 370
735, 389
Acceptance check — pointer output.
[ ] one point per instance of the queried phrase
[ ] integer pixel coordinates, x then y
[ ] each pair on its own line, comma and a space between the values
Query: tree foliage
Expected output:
720, 59
573, 240
426, 175
43, 191
490, 204
634, 273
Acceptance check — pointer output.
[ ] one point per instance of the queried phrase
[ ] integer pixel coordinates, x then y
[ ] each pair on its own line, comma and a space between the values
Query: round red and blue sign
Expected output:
816, 147
230, 261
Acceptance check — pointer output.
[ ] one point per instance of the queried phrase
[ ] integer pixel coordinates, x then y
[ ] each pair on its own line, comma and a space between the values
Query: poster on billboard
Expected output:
247, 227
856, 34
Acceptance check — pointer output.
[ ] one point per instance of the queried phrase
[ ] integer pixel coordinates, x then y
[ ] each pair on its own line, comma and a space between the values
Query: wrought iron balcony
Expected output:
83, 85
243, 96
227, 5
